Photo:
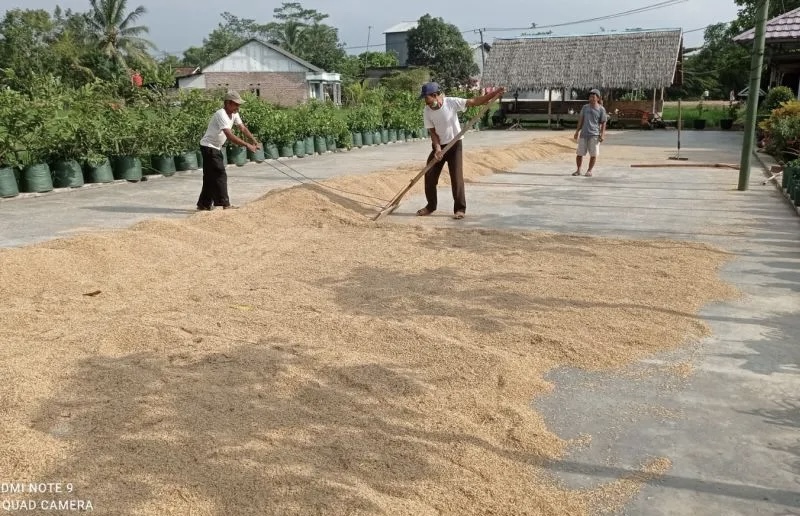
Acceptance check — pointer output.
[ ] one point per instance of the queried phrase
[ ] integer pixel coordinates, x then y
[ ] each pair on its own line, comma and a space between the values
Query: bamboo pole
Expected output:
756, 62
654, 102
685, 165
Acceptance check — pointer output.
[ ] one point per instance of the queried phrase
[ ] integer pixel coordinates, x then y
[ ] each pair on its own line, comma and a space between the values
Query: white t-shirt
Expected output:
214, 136
445, 119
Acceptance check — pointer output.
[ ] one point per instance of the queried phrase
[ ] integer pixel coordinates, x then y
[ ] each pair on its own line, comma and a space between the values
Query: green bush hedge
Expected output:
53, 123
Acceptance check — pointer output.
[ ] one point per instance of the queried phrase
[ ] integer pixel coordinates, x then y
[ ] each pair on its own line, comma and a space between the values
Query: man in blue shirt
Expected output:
590, 132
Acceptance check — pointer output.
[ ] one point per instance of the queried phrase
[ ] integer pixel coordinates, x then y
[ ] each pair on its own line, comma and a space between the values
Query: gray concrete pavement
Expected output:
731, 430
35, 218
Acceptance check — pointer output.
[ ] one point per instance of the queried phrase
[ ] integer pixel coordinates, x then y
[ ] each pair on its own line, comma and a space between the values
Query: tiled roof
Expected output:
783, 27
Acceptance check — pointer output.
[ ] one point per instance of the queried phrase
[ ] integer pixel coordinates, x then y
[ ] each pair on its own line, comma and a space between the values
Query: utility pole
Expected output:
366, 54
756, 63
483, 53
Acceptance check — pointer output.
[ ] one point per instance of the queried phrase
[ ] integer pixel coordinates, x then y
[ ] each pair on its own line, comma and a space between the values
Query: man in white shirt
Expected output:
215, 179
441, 121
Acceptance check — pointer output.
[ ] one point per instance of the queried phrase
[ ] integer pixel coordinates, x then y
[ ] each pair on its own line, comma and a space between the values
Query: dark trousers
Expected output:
215, 180
455, 166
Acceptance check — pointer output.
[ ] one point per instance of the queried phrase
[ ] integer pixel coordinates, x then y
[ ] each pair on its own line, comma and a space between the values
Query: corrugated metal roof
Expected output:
401, 27
277, 49
782, 27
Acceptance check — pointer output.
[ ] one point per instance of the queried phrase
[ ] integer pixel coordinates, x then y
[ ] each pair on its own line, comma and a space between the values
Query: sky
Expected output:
172, 32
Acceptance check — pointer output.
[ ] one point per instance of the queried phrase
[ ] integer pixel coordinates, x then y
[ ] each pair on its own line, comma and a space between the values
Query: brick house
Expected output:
268, 71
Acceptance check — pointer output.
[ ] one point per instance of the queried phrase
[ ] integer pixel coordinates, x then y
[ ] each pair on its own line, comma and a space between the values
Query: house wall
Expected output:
282, 88
398, 42
192, 81
255, 57
534, 95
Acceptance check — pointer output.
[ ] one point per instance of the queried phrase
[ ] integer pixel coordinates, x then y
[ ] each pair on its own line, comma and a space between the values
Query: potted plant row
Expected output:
58, 137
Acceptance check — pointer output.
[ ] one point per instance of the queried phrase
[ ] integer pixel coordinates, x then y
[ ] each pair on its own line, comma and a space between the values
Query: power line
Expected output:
629, 12
381, 45
702, 28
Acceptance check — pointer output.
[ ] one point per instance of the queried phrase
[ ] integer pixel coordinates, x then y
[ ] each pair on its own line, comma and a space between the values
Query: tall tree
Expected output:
301, 32
227, 37
73, 47
441, 47
221, 42
321, 47
723, 60
295, 29
25, 38
116, 34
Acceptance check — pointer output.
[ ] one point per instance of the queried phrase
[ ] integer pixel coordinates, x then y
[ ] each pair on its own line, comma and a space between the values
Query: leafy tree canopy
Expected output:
440, 47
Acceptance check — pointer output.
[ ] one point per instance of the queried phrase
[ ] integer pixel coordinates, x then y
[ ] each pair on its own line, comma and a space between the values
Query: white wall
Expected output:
255, 57
533, 95
192, 81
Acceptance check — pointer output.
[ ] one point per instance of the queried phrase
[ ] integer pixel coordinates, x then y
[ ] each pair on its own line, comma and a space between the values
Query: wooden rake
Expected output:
395, 202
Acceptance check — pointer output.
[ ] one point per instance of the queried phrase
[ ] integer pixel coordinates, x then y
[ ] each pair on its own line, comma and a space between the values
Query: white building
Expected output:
268, 71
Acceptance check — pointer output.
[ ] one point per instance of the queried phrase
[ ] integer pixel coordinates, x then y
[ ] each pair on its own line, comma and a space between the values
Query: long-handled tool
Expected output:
680, 123
395, 202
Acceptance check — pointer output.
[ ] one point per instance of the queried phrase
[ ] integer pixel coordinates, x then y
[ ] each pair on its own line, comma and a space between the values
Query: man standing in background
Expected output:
590, 132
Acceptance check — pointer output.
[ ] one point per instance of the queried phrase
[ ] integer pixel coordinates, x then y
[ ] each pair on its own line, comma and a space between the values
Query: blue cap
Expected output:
595, 91
429, 88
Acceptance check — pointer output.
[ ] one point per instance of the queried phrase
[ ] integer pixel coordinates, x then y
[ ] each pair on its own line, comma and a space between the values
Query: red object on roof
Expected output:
780, 28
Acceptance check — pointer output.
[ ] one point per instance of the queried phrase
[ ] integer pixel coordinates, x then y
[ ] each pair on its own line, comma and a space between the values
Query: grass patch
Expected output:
712, 115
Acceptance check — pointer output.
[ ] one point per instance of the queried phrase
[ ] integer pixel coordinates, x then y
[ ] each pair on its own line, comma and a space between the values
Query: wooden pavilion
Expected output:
648, 60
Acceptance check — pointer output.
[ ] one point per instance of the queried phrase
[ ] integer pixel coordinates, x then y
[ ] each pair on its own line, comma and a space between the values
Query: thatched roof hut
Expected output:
646, 59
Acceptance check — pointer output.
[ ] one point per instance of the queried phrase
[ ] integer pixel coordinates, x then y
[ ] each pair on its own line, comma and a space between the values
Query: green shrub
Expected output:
366, 117
777, 96
285, 132
162, 131
11, 114
782, 129
197, 107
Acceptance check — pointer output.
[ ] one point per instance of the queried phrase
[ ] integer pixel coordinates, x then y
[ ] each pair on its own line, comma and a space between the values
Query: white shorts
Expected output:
590, 144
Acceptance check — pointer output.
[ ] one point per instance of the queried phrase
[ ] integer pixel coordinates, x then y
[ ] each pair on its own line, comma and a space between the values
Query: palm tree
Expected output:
117, 36
290, 35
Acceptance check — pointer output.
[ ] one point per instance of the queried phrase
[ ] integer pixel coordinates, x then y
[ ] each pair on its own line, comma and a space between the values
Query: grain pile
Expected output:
293, 357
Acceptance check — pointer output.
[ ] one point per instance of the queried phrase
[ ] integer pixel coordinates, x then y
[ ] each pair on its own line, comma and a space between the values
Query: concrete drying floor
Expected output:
731, 427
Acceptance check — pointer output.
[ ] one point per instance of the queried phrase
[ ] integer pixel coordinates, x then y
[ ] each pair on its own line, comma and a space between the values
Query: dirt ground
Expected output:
294, 357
